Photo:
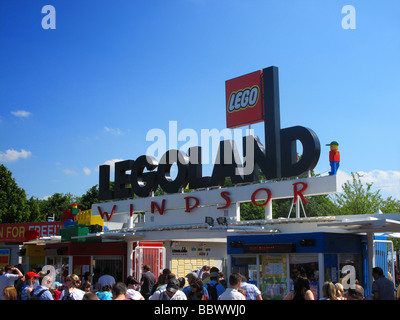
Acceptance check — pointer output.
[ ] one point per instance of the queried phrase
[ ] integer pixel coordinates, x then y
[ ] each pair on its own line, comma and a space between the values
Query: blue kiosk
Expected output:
273, 260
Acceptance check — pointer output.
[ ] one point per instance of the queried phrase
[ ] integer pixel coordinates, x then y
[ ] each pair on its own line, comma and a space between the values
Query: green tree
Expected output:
56, 204
13, 204
34, 209
390, 205
86, 200
357, 198
249, 211
320, 206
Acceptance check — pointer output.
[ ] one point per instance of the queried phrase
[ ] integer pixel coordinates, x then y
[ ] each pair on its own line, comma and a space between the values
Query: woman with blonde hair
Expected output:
10, 293
72, 292
339, 291
328, 291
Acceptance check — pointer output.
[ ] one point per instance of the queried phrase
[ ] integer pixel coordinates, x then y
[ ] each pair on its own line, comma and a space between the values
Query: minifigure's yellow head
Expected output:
334, 145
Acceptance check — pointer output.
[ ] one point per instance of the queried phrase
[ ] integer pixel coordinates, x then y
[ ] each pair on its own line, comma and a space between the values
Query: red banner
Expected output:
16, 232
244, 100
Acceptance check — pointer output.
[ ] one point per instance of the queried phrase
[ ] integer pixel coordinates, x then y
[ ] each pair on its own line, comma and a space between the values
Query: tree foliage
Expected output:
357, 198
55, 205
35, 214
91, 196
13, 203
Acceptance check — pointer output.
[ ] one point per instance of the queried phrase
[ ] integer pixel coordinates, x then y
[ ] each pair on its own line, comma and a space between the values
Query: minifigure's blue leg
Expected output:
334, 167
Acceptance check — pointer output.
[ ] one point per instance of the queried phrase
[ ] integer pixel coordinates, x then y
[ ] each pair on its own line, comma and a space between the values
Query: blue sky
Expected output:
89, 91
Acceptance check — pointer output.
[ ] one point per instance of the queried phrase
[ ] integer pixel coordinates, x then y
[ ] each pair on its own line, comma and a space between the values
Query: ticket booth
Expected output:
272, 262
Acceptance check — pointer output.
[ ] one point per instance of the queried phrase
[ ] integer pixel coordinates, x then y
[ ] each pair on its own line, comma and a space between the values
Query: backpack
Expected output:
37, 296
164, 296
68, 295
212, 291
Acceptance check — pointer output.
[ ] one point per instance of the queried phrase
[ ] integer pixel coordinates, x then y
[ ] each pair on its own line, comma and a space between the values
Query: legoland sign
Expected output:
250, 98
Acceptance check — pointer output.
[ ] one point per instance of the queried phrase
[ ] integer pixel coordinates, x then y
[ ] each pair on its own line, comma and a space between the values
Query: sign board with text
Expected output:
16, 232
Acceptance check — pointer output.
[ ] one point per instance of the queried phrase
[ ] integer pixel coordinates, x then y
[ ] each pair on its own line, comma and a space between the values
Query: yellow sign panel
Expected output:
182, 266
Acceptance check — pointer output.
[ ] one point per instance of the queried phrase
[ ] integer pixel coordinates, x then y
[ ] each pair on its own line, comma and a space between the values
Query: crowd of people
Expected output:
202, 284
382, 289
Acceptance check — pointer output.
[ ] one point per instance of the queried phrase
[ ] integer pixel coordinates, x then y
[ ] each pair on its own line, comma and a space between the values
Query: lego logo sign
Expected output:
244, 100
241, 99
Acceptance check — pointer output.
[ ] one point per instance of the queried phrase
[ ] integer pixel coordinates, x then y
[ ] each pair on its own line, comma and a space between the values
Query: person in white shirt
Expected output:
232, 292
171, 292
132, 293
72, 292
253, 293
8, 278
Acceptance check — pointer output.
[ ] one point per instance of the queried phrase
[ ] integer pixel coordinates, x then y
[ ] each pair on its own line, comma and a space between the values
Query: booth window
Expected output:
113, 263
305, 265
246, 266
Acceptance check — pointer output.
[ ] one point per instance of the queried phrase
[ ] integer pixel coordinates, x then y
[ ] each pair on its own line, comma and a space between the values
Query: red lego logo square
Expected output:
244, 100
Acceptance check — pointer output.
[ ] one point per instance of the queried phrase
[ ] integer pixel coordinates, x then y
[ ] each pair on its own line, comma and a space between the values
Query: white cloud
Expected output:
13, 155
87, 171
343, 177
386, 181
21, 113
116, 132
69, 172
111, 163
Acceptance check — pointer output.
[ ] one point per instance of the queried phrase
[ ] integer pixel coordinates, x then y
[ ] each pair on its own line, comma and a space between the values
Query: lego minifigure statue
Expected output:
334, 157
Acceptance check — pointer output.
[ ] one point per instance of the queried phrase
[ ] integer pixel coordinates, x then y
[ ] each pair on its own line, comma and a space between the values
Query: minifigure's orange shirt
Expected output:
334, 155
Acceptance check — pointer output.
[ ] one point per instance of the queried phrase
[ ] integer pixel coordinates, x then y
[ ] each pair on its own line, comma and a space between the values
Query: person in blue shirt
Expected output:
192, 276
30, 280
214, 288
105, 293
42, 291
